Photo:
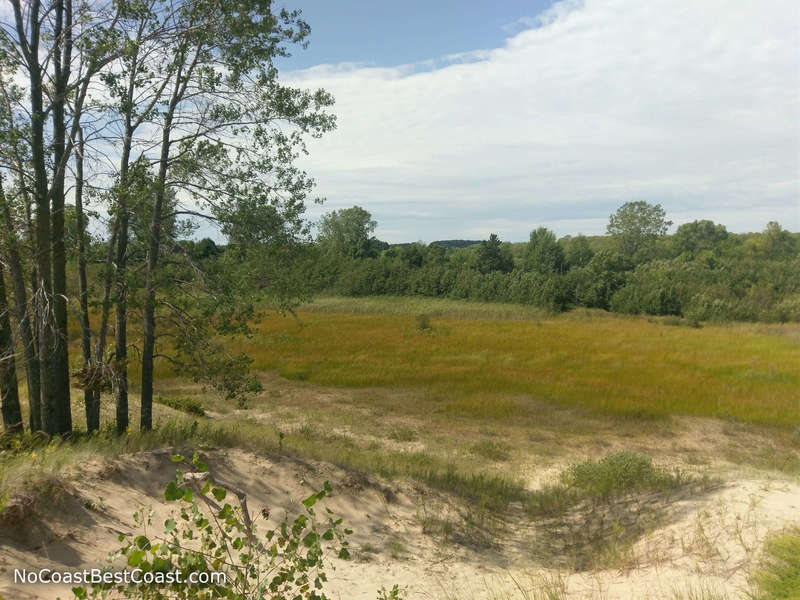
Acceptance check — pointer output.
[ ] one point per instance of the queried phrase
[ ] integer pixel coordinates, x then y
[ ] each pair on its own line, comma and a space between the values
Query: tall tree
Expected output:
493, 255
221, 140
637, 226
346, 232
543, 254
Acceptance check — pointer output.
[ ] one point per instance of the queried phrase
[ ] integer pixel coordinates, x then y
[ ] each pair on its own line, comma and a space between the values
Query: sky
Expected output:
459, 119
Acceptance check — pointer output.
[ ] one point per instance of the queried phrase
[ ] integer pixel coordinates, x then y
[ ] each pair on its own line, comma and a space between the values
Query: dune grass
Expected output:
479, 361
778, 577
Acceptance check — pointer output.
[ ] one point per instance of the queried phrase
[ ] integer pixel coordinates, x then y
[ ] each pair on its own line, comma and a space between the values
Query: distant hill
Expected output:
445, 243
456, 243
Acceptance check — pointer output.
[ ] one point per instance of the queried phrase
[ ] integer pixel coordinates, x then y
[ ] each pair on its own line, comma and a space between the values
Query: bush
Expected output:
617, 473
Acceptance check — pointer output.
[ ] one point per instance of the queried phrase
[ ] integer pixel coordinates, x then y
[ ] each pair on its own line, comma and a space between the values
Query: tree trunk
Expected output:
43, 290
148, 345
92, 406
60, 364
149, 341
121, 349
12, 414
23, 316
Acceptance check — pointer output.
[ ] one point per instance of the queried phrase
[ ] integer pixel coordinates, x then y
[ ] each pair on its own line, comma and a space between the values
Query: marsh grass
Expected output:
484, 360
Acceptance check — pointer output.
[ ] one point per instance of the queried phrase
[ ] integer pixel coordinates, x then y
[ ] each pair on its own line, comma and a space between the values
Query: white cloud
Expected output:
693, 105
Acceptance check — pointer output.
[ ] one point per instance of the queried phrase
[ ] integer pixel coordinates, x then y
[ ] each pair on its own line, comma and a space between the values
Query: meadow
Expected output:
482, 359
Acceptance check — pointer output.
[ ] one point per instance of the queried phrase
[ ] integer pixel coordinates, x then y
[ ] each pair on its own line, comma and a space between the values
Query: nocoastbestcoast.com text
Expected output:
122, 577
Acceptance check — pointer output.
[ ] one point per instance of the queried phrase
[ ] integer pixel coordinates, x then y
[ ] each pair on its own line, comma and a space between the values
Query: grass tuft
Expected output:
187, 404
778, 577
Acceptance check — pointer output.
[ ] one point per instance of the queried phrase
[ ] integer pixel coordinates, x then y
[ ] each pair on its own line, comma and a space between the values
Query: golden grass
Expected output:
487, 367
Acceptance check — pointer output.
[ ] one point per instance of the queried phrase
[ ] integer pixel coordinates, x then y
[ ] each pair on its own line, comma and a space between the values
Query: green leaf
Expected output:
310, 501
173, 492
177, 458
219, 493
135, 557
142, 542
310, 539
169, 525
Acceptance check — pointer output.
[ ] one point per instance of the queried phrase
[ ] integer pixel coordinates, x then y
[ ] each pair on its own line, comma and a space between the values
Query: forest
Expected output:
701, 272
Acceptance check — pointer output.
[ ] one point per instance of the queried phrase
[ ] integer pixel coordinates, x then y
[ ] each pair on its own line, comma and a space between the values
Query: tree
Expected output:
40, 46
223, 140
777, 243
577, 252
692, 238
636, 226
543, 254
202, 128
346, 232
492, 255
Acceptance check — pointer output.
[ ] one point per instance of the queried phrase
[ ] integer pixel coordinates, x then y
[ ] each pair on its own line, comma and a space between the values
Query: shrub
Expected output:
615, 474
211, 535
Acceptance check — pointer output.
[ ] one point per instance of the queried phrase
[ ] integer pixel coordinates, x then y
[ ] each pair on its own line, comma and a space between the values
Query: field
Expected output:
502, 452
484, 360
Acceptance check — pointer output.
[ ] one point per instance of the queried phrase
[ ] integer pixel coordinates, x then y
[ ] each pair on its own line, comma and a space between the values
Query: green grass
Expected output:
485, 360
613, 476
492, 450
778, 577
187, 404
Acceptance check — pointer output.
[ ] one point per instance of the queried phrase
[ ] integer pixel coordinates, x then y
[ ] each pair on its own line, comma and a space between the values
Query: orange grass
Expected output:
612, 365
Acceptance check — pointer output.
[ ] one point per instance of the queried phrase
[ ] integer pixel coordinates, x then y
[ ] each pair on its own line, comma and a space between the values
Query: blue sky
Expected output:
459, 119
389, 33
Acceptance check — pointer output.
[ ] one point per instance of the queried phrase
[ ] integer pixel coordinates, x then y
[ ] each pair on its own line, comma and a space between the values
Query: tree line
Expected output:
132, 121
700, 272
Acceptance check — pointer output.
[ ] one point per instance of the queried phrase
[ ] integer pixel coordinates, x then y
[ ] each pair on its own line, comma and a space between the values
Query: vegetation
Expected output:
203, 130
459, 365
701, 273
779, 574
185, 404
482, 360
285, 561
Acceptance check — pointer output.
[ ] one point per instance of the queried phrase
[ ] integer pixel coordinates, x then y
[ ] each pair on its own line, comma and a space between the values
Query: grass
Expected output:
187, 404
403, 434
492, 450
482, 359
778, 577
